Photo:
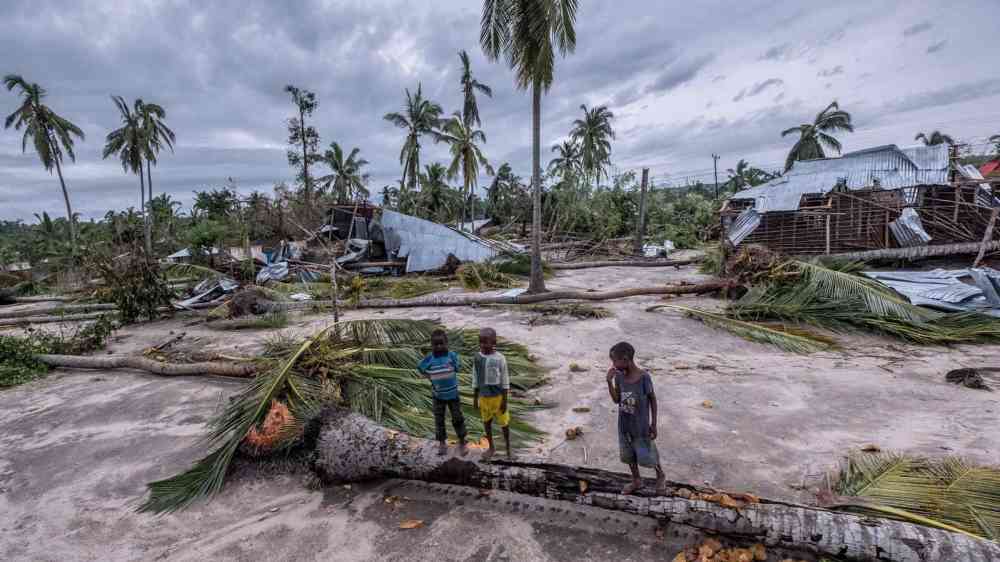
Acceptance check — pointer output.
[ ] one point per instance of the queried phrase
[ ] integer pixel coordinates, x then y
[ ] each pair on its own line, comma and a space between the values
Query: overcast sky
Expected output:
684, 79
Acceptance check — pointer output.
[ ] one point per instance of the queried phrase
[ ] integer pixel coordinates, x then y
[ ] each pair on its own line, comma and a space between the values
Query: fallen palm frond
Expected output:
946, 493
797, 341
839, 285
581, 311
483, 277
413, 287
373, 363
520, 265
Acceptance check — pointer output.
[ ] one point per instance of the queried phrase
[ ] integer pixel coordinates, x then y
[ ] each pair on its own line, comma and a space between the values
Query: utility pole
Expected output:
640, 227
715, 165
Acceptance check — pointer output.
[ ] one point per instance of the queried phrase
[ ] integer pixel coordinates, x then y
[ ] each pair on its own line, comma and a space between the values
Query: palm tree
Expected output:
813, 137
130, 143
470, 109
527, 34
419, 116
996, 139
567, 160
347, 179
51, 134
466, 156
156, 134
936, 137
593, 134
435, 193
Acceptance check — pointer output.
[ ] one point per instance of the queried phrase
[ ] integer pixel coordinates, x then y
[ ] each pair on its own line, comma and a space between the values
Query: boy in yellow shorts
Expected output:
491, 388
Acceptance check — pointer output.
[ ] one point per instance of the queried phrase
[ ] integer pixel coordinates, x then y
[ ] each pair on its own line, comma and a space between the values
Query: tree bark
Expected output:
525, 298
352, 448
68, 308
640, 225
69, 209
919, 252
623, 263
107, 362
50, 319
536, 283
147, 243
149, 188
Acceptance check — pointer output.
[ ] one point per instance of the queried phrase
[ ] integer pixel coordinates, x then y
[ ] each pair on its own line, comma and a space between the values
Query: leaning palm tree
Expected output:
156, 135
51, 134
813, 137
466, 156
527, 34
420, 116
470, 109
131, 144
593, 134
567, 160
936, 137
347, 181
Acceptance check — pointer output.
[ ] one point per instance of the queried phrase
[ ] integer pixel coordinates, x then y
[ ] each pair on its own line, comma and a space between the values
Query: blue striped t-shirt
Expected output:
443, 372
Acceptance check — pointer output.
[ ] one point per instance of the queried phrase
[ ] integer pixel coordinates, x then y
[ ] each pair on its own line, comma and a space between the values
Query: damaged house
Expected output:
883, 197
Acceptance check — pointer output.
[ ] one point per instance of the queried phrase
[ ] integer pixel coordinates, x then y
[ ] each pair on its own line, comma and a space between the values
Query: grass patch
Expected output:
403, 288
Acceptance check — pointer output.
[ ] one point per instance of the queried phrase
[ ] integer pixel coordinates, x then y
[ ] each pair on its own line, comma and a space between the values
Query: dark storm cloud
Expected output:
828, 72
779, 52
758, 88
679, 73
944, 96
937, 46
917, 28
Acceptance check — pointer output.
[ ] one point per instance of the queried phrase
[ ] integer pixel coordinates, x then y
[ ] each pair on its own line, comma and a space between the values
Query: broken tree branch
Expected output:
987, 236
623, 263
108, 362
352, 448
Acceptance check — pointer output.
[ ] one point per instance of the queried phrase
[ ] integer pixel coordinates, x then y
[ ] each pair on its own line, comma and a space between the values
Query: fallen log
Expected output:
55, 310
107, 362
366, 264
919, 252
623, 263
352, 448
24, 320
473, 299
50, 298
53, 314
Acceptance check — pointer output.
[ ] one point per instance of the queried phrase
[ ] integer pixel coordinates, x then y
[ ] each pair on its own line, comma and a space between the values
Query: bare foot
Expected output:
488, 454
462, 449
631, 487
442, 449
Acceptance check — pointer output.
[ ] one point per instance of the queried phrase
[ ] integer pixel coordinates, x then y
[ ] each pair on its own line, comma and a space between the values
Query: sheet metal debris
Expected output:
209, 290
908, 230
426, 245
953, 290
743, 225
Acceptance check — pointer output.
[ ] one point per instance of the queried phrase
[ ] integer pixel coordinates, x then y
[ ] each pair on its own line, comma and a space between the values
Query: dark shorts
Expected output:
638, 450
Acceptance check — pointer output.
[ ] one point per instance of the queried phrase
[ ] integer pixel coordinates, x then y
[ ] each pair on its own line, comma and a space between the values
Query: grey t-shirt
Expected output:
489, 374
633, 405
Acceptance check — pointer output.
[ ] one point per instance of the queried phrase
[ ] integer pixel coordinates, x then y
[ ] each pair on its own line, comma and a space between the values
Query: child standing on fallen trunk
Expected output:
441, 367
491, 388
632, 389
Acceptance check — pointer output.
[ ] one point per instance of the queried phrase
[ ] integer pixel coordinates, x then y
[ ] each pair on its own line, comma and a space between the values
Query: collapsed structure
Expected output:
882, 197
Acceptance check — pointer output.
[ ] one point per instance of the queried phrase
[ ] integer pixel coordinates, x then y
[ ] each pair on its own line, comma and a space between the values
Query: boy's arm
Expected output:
612, 389
504, 382
422, 366
652, 415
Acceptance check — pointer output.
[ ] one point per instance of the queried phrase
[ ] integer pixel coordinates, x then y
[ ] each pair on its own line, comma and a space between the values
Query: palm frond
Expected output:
796, 341
878, 299
947, 493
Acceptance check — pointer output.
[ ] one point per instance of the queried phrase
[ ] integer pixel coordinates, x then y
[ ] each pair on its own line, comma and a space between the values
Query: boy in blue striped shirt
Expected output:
441, 367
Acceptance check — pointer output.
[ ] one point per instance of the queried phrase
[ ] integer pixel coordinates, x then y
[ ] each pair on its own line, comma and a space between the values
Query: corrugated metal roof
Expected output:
943, 289
909, 230
889, 167
426, 244
744, 224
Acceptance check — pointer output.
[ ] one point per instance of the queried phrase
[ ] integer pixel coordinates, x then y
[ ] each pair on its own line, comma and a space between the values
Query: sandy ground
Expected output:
77, 448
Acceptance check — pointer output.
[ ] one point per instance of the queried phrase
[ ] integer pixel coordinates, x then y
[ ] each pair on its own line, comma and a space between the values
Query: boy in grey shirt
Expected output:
491, 388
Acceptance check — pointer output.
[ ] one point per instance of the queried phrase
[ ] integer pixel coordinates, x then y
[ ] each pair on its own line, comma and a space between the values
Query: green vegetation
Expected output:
17, 353
374, 360
483, 277
815, 138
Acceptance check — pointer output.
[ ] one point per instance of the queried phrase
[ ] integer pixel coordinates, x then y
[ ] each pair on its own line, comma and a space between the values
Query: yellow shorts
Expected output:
489, 408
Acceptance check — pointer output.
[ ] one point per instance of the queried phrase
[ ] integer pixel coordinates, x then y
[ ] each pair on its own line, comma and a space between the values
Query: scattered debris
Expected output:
707, 404
581, 409
483, 277
411, 524
574, 432
713, 551
577, 368
969, 378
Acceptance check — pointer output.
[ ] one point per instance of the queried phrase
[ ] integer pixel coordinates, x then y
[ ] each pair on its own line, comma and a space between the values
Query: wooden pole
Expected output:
640, 227
828, 235
986, 237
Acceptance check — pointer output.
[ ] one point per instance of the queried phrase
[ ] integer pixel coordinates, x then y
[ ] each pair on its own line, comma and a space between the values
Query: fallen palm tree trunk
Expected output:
51, 298
623, 263
352, 448
51, 311
108, 362
50, 319
919, 252
476, 300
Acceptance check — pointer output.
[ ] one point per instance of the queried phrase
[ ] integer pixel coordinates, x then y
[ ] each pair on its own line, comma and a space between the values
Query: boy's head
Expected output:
439, 342
487, 340
622, 355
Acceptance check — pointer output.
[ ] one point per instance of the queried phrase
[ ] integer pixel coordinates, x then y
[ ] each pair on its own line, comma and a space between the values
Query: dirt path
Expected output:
78, 448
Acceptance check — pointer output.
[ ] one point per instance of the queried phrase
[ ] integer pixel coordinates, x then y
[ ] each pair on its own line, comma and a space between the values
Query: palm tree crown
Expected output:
594, 134
466, 155
128, 141
470, 109
347, 180
567, 160
419, 116
50, 133
813, 137
936, 137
